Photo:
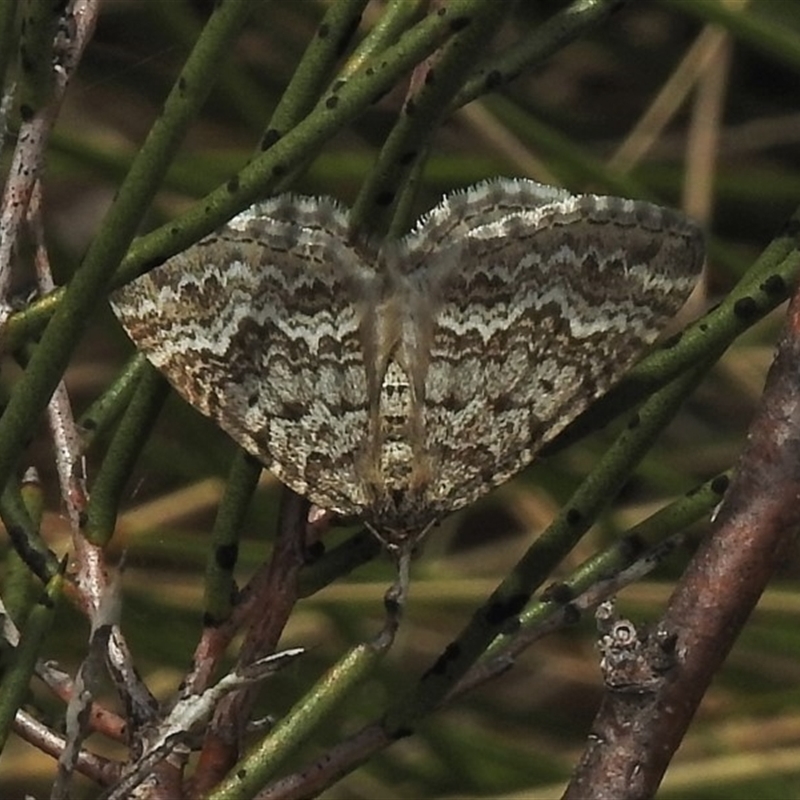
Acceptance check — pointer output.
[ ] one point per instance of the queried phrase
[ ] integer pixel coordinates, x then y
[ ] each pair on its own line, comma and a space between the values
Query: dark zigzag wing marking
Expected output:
258, 327
537, 313
405, 390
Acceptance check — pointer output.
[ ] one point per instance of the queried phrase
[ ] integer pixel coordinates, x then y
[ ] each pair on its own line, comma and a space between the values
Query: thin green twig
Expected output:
107, 408
306, 716
423, 110
38, 31
313, 73
129, 439
16, 680
359, 549
22, 508
23, 531
396, 17
224, 544
646, 536
241, 93
570, 23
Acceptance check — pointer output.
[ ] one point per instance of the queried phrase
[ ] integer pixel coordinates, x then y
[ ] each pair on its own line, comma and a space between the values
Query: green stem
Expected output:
263, 760
397, 16
15, 682
39, 25
24, 533
113, 402
646, 537
21, 509
314, 71
422, 112
577, 19
219, 587
359, 549
124, 450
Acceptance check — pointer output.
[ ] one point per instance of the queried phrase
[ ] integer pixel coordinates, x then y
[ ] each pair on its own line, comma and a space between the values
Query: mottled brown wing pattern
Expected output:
546, 306
257, 326
400, 384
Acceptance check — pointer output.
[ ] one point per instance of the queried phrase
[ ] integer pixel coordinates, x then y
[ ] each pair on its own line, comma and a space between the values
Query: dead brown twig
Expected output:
637, 730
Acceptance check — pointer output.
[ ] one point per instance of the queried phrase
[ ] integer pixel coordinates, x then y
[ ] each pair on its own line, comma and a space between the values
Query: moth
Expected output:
398, 381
